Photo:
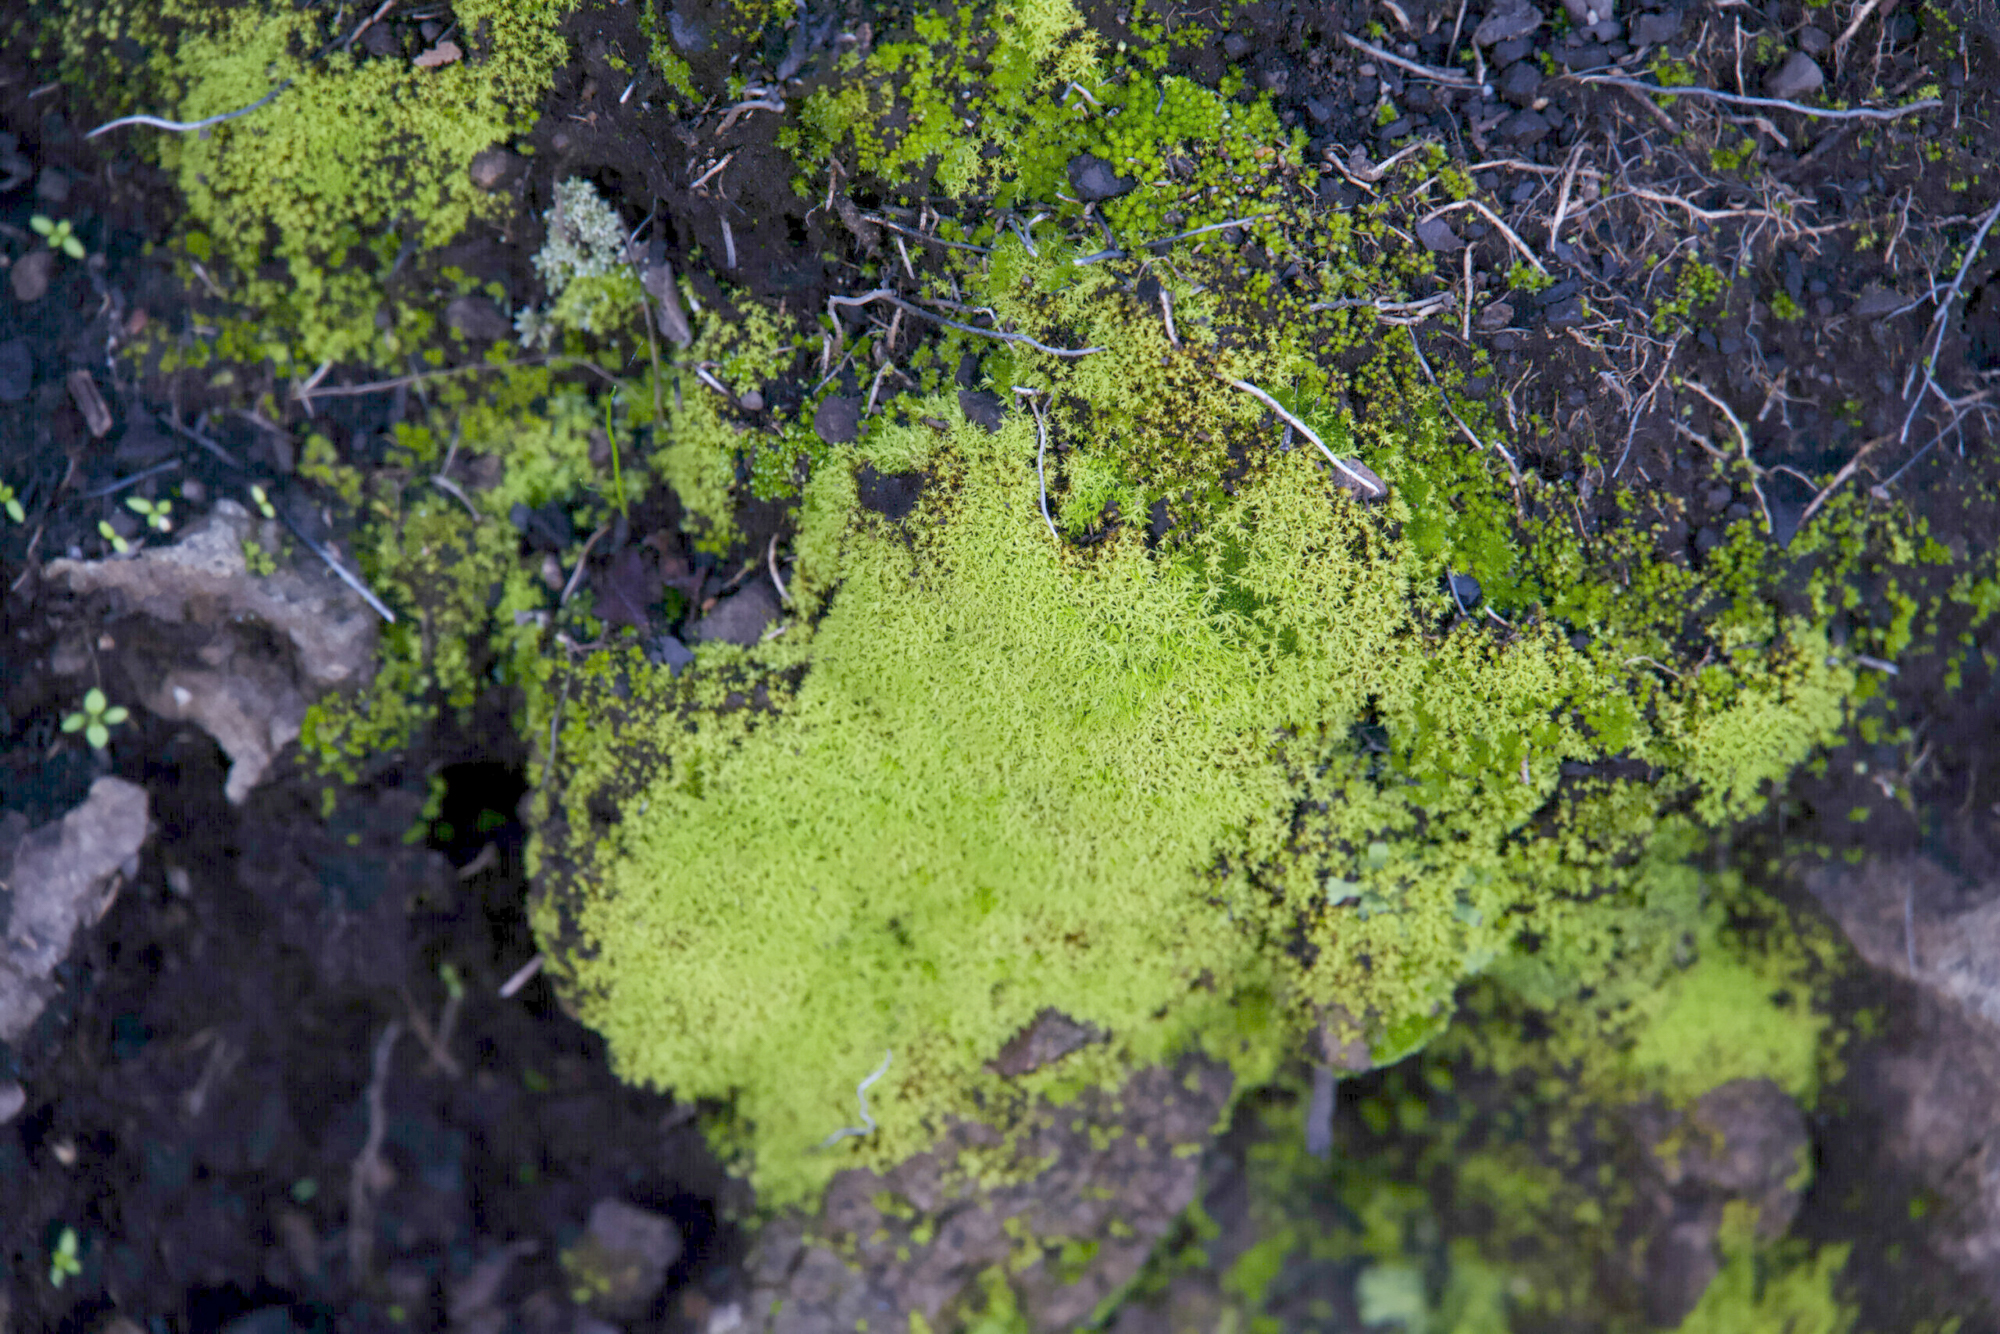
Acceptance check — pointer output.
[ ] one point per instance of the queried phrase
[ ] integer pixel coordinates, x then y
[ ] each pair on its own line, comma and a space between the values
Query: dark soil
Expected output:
199, 1098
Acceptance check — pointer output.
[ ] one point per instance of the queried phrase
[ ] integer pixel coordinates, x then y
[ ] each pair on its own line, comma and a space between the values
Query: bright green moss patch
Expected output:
356, 159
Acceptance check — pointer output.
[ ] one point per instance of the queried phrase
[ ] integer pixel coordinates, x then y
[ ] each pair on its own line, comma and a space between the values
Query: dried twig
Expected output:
1041, 453
1368, 487
884, 294
1743, 441
1847, 470
368, 1163
861, 1096
184, 126
1493, 218
771, 560
1938, 321
1449, 77
1739, 99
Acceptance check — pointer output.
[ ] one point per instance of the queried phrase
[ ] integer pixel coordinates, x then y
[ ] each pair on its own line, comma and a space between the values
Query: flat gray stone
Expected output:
739, 618
61, 876
1507, 22
203, 579
1093, 179
1799, 75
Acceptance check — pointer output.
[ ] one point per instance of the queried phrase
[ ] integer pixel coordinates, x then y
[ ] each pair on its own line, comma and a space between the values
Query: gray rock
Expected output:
1910, 917
17, 370
837, 420
478, 319
621, 1261
1093, 179
1464, 590
1507, 22
1585, 55
1799, 75
1814, 42
1496, 316
61, 875
1656, 29
739, 618
203, 580
1586, 13
1052, 1036
1237, 45
670, 653
1749, 1142
1112, 1168
12, 1099
1526, 128
31, 275
1876, 302
983, 408
1437, 236
1566, 313
52, 186
751, 401
252, 709
496, 167
1521, 84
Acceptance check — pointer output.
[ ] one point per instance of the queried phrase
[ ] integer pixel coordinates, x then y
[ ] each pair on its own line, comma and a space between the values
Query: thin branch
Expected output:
1041, 452
184, 126
1449, 77
1738, 99
861, 1096
1938, 321
1493, 218
1367, 486
1743, 442
884, 294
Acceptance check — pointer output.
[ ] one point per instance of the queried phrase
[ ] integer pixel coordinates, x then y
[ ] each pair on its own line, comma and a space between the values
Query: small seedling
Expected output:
110, 534
11, 504
154, 511
61, 236
96, 719
64, 1264
263, 500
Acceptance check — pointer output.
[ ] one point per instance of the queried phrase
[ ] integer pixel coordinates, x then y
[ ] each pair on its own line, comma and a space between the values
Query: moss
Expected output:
1788, 1288
357, 157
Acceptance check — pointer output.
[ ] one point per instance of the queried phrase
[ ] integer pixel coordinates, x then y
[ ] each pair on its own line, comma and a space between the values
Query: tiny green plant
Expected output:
155, 512
12, 504
263, 501
110, 534
60, 235
96, 719
64, 1263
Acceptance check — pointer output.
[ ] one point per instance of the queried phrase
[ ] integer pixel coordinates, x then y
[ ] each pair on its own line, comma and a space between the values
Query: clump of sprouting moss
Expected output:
357, 159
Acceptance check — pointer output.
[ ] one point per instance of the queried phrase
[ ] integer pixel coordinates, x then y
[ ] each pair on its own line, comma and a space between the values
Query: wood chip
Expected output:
90, 403
444, 53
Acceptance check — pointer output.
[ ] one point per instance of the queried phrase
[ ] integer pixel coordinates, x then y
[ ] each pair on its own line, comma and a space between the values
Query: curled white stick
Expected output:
1367, 487
867, 1126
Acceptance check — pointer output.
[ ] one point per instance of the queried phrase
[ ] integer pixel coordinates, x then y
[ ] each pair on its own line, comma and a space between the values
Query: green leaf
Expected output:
116, 715
41, 225
98, 735
74, 723
94, 701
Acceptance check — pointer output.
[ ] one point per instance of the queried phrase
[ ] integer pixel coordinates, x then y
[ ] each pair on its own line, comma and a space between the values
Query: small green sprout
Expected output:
95, 720
263, 499
61, 236
64, 1263
11, 504
155, 512
304, 1189
110, 534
